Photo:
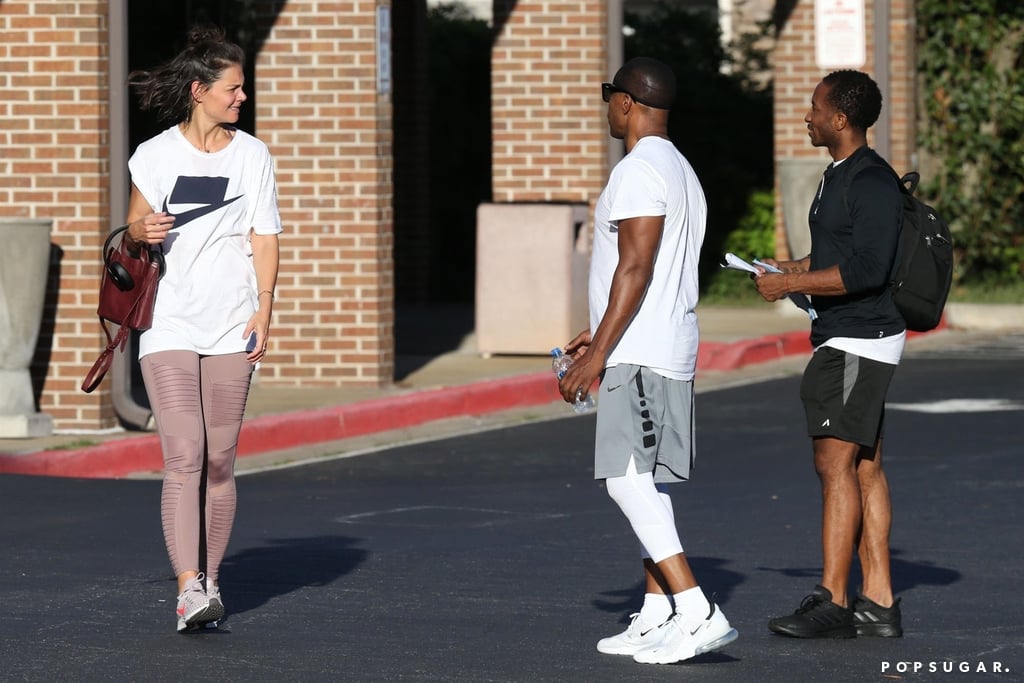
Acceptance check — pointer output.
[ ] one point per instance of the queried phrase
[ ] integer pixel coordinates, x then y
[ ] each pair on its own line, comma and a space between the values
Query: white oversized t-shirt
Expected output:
654, 179
208, 292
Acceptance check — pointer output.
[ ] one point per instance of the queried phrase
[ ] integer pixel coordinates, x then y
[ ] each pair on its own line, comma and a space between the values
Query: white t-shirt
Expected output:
208, 292
654, 179
885, 350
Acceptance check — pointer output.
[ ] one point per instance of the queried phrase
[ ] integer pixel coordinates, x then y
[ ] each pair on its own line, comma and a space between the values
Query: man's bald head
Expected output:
648, 82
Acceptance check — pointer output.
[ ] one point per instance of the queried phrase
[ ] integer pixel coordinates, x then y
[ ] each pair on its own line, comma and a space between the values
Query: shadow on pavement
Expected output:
284, 565
905, 574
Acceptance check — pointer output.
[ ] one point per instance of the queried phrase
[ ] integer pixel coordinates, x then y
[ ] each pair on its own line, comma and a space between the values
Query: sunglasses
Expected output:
609, 89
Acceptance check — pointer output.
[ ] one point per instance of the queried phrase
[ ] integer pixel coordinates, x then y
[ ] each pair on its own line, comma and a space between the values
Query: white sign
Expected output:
839, 40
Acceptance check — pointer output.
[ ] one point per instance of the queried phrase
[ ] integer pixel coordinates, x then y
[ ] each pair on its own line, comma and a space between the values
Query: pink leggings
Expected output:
198, 403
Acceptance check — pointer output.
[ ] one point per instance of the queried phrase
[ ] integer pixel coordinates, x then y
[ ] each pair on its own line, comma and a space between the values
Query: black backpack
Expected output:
923, 271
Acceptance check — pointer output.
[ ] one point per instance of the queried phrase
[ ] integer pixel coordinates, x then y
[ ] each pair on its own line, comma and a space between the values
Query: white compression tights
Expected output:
649, 511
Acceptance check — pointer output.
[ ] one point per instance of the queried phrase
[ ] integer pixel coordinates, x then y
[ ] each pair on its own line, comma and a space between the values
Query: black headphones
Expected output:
120, 276
117, 273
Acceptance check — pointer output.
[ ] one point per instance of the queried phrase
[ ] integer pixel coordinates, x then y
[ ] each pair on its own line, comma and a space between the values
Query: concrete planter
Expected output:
531, 276
798, 184
24, 262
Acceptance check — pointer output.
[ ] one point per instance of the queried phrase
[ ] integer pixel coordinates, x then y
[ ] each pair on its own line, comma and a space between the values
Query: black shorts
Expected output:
844, 396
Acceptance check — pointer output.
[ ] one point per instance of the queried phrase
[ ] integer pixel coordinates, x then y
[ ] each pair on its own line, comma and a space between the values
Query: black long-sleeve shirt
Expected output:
859, 234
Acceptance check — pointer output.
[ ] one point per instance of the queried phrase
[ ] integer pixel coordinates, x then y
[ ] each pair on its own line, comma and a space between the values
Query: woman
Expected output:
204, 191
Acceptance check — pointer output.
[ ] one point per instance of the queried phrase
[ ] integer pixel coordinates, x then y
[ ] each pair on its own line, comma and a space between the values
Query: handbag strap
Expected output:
151, 254
102, 365
119, 341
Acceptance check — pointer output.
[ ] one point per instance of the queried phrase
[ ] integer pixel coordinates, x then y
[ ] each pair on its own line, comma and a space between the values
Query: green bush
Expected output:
971, 61
754, 237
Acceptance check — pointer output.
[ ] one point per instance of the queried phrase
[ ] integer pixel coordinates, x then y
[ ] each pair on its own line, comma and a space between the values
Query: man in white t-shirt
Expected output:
649, 224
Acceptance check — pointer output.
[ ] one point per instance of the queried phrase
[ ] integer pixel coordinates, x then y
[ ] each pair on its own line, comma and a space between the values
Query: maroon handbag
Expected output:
127, 294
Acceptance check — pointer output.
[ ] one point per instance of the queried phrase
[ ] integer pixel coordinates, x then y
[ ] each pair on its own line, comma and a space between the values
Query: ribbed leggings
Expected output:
198, 403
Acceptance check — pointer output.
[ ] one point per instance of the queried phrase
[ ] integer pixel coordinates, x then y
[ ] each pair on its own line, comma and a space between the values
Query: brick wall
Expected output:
796, 75
549, 126
54, 165
903, 81
330, 133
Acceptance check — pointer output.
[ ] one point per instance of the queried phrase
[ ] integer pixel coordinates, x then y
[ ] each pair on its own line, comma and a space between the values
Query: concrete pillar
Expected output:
531, 277
24, 262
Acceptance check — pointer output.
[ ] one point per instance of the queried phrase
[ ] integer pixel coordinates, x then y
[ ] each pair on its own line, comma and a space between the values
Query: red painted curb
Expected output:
120, 457
288, 430
740, 354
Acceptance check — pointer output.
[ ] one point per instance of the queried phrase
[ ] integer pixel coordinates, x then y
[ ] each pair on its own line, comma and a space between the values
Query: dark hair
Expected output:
167, 89
856, 95
648, 82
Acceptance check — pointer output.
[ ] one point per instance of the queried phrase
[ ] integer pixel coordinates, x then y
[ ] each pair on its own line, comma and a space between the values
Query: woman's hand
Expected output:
259, 325
150, 229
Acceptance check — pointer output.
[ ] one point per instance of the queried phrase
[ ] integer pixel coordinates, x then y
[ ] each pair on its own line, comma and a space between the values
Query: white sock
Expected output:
692, 604
656, 610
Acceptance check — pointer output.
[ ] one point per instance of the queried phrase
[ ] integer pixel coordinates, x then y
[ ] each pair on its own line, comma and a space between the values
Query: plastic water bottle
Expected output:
560, 364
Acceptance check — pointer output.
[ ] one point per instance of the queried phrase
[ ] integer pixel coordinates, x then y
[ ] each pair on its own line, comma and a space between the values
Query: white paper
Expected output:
736, 263
800, 300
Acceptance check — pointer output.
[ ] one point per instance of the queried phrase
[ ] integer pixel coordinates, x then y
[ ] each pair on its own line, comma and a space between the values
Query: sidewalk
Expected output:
439, 379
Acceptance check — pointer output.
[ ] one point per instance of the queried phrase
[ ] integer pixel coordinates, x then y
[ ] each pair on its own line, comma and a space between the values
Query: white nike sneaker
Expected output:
636, 637
680, 640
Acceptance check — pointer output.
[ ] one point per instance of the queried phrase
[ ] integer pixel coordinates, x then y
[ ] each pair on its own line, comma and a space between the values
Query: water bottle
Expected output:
560, 363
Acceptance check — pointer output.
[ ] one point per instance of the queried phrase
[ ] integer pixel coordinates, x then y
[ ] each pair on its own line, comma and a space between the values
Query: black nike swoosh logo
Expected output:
184, 217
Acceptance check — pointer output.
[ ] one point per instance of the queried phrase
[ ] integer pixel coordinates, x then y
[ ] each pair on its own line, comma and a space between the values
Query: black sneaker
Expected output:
817, 617
872, 619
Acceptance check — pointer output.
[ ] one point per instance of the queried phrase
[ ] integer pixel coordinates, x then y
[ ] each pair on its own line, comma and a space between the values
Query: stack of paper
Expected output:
736, 263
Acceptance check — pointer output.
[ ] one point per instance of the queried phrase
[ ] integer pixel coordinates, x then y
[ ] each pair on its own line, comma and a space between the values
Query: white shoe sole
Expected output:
717, 643
654, 656
210, 614
628, 650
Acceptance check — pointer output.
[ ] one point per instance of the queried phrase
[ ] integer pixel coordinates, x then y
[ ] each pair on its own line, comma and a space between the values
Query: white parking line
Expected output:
959, 405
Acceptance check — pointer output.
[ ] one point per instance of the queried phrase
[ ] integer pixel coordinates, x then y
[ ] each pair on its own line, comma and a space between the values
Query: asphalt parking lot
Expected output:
495, 557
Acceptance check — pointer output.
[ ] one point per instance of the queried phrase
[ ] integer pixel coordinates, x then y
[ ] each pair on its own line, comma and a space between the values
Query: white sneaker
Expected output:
681, 640
216, 604
630, 641
194, 608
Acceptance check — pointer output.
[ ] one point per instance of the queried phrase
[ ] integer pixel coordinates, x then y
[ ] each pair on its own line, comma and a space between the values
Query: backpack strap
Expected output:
867, 162
907, 185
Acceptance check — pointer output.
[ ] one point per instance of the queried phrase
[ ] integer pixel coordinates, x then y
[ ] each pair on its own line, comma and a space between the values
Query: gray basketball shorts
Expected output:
646, 416
844, 396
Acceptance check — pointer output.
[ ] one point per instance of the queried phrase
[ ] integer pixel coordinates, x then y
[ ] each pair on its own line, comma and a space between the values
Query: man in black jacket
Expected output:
858, 337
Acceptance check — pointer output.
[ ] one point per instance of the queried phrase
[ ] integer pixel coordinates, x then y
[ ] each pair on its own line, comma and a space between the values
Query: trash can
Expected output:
531, 276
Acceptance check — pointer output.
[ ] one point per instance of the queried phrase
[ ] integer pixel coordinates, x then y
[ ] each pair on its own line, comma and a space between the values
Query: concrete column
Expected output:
24, 262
